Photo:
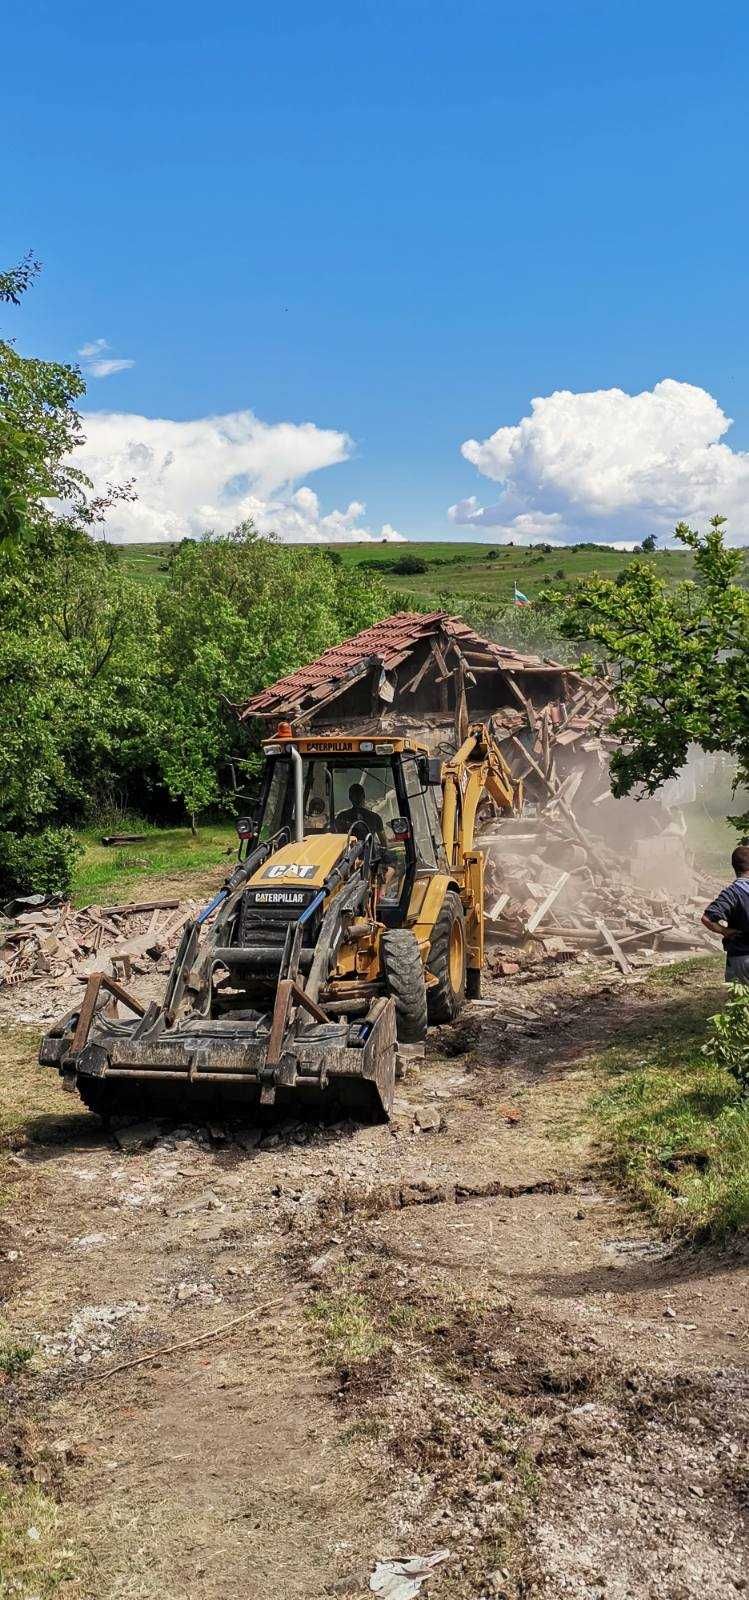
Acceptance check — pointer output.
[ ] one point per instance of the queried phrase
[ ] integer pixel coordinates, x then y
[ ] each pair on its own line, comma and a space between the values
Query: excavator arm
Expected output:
477, 769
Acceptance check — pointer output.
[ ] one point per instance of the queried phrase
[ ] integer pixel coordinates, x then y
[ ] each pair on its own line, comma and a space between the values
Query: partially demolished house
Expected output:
431, 675
555, 888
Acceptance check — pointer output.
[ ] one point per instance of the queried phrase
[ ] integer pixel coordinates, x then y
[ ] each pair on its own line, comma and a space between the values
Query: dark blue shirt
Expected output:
732, 906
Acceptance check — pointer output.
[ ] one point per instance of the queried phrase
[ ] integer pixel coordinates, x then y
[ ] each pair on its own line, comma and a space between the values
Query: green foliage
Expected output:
649, 543
236, 613
727, 1044
76, 644
681, 657
409, 566
533, 629
35, 862
465, 570
77, 656
15, 282
39, 427
14, 1357
107, 689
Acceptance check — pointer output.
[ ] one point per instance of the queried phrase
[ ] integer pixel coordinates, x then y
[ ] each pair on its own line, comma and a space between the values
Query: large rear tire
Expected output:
404, 975
447, 961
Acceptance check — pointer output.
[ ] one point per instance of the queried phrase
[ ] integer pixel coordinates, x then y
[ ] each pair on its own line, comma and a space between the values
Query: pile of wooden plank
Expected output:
555, 894
560, 750
59, 943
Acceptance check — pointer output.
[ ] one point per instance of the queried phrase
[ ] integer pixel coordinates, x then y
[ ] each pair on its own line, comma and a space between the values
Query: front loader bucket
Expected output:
310, 1064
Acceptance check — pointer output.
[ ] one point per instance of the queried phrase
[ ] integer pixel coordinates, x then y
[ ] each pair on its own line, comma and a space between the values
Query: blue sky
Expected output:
400, 223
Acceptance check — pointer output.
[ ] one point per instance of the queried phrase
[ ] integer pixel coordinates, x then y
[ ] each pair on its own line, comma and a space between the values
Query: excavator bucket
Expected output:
296, 1058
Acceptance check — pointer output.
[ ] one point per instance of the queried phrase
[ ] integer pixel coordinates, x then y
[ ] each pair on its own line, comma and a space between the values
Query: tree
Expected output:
680, 658
77, 653
649, 543
39, 427
234, 614
76, 642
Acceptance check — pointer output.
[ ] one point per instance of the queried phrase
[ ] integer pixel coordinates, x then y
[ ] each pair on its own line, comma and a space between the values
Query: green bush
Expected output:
38, 862
728, 1043
409, 566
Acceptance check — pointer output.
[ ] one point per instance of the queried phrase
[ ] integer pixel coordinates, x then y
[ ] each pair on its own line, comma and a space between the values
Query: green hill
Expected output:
457, 573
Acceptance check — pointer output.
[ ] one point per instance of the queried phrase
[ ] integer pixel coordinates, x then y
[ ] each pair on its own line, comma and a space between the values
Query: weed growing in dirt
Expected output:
727, 1044
675, 1121
13, 1358
343, 1321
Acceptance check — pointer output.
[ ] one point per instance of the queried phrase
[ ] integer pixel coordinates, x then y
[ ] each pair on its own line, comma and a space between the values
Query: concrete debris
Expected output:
402, 1580
89, 1333
428, 1120
58, 942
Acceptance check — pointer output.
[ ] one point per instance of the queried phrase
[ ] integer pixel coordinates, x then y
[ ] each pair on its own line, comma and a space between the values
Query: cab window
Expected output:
417, 811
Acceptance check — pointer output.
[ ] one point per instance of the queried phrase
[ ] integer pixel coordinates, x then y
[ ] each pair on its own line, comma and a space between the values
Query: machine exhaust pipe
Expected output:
298, 794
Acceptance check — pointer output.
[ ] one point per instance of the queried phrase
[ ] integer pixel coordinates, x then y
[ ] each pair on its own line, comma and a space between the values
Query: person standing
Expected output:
728, 915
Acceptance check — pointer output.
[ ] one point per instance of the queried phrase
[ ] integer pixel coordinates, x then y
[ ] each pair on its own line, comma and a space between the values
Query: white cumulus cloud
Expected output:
610, 464
97, 364
213, 472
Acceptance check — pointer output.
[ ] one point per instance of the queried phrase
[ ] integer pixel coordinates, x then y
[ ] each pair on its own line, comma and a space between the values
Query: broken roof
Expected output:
387, 645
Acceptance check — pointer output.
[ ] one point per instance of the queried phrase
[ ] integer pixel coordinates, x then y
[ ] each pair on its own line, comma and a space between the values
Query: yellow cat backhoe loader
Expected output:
353, 917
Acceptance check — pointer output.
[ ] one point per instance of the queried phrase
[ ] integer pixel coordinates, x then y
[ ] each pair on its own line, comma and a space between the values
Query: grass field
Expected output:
460, 571
108, 874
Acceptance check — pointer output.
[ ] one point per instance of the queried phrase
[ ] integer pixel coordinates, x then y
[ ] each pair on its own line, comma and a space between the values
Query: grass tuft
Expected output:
35, 1559
345, 1327
14, 1357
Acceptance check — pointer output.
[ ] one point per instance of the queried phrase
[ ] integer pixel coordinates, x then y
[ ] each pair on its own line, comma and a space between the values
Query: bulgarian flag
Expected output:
520, 598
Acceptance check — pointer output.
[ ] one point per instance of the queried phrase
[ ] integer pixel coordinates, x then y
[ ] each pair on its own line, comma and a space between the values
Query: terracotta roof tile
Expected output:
387, 644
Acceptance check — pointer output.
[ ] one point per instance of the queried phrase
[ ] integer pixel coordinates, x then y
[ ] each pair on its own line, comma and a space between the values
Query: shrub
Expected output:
38, 862
727, 1045
409, 566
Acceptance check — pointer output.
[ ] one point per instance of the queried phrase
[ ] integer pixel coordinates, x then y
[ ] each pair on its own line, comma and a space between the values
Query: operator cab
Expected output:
360, 787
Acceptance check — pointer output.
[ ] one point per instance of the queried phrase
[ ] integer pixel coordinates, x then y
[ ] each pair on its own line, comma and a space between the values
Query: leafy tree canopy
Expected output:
236, 613
680, 657
39, 426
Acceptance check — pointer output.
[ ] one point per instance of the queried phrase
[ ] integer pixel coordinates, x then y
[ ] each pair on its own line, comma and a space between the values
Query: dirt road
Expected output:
458, 1337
